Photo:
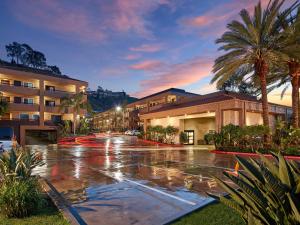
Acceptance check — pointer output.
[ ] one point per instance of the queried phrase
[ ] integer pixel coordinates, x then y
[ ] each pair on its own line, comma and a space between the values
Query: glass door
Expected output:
190, 137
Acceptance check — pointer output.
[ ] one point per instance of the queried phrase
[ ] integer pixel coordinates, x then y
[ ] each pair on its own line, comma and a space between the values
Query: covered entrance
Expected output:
190, 137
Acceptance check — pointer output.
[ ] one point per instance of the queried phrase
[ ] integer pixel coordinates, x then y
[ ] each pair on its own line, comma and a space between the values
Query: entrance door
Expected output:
190, 137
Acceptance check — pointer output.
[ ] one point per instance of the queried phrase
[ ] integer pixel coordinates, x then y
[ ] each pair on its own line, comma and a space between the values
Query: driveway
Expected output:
122, 181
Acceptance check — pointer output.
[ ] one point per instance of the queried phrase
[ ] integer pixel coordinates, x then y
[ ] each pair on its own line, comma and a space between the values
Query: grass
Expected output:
213, 214
48, 215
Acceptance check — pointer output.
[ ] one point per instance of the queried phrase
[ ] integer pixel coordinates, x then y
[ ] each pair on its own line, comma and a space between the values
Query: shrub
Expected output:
20, 191
268, 192
183, 138
20, 198
170, 133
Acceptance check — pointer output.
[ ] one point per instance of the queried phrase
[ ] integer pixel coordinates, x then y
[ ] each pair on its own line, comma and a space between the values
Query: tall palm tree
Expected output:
76, 102
289, 23
249, 46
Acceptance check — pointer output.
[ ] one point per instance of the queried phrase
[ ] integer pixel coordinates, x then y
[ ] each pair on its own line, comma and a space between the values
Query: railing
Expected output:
20, 121
59, 91
22, 85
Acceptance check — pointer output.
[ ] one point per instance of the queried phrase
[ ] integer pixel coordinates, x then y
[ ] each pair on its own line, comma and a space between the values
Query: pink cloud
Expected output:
213, 22
55, 16
147, 48
90, 20
177, 75
149, 65
132, 56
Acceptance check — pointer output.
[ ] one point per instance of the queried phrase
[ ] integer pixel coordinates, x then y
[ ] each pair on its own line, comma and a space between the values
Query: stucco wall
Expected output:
230, 117
200, 126
253, 118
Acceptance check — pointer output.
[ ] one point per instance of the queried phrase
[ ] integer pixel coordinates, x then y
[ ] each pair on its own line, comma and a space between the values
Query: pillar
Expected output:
42, 102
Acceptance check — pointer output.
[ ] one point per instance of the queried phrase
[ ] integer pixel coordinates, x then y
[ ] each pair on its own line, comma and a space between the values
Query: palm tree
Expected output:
77, 103
250, 49
290, 47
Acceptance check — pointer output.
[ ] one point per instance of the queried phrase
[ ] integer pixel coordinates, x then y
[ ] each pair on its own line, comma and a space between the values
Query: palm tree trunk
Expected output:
295, 93
262, 72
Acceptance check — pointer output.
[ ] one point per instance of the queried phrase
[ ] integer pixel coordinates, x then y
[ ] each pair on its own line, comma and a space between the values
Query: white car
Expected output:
128, 132
5, 145
6, 136
135, 133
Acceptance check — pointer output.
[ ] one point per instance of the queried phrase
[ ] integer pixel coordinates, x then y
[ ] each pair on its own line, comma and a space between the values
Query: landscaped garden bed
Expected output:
257, 138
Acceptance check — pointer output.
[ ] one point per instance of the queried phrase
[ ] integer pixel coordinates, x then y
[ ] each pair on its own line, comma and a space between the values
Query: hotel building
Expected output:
34, 97
128, 116
193, 114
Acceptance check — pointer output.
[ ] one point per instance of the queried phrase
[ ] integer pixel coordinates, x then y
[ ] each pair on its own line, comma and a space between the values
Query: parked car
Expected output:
128, 132
135, 133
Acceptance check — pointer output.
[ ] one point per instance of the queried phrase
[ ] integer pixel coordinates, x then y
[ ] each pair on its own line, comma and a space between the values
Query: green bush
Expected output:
20, 193
183, 138
268, 191
20, 198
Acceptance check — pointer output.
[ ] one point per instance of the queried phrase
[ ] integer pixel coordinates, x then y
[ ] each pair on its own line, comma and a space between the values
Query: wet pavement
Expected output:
123, 181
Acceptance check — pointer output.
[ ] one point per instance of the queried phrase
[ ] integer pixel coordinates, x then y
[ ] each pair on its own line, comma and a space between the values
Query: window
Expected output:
50, 88
28, 84
50, 103
35, 117
28, 101
17, 83
5, 81
17, 100
5, 99
24, 116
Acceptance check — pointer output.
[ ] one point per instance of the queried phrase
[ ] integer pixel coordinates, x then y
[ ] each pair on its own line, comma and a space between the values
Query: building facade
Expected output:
127, 117
34, 98
208, 113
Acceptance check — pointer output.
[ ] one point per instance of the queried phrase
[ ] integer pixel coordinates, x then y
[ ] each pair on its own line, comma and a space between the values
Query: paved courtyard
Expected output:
122, 181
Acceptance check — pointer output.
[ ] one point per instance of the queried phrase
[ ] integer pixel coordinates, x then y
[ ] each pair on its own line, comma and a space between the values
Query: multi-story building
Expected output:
34, 97
127, 117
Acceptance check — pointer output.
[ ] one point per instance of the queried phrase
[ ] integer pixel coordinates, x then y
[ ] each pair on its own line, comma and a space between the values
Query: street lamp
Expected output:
118, 108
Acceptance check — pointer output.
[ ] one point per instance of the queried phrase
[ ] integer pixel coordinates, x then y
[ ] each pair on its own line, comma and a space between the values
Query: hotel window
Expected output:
28, 101
50, 103
17, 83
28, 84
5, 99
24, 116
35, 117
50, 88
5, 82
17, 100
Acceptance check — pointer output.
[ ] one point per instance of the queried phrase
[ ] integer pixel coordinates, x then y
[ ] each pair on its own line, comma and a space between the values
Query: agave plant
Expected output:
268, 193
18, 163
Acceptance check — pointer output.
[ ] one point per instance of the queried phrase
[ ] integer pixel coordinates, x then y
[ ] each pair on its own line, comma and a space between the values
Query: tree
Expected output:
289, 25
14, 51
76, 102
26, 57
3, 106
249, 46
38, 60
54, 69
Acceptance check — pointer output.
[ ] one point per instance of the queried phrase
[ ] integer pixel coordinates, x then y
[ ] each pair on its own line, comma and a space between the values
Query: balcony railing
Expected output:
22, 85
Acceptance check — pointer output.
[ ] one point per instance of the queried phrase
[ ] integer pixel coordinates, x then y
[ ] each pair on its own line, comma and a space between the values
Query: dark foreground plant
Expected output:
20, 192
20, 198
268, 193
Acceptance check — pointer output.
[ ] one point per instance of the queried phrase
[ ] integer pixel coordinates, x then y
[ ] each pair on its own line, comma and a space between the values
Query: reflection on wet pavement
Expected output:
125, 182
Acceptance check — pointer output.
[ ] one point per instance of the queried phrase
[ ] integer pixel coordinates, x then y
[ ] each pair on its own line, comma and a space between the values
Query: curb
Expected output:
252, 154
68, 211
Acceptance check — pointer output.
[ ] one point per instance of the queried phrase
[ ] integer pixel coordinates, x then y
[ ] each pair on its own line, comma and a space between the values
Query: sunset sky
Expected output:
140, 46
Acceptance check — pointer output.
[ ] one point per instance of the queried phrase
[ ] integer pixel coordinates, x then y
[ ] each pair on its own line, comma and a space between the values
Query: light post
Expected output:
118, 109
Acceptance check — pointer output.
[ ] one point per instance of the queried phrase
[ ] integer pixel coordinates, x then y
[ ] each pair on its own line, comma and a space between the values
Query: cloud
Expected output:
147, 48
132, 56
213, 22
57, 17
90, 20
177, 75
149, 65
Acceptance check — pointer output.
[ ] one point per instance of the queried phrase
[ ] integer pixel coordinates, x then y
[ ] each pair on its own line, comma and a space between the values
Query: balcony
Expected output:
20, 90
57, 110
21, 107
58, 93
13, 122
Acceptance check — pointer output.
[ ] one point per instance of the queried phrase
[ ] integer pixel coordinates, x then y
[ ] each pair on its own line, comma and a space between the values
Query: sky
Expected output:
139, 46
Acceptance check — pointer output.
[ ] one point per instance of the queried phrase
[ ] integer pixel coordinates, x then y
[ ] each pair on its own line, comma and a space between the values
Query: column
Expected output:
42, 102
218, 118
